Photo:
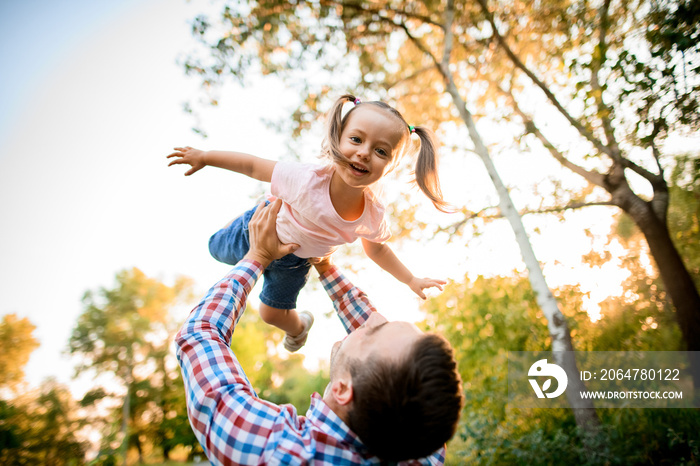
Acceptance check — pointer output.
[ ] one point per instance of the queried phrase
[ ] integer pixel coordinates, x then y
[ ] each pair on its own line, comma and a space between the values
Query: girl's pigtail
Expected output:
331, 144
426, 171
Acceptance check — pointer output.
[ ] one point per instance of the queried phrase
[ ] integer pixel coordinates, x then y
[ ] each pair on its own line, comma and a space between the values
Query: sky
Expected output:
91, 97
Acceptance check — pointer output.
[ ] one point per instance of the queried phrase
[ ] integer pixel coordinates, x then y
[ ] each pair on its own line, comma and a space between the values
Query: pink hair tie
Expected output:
357, 101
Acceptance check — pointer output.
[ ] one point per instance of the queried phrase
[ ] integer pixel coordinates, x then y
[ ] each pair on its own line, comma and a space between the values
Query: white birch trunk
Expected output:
562, 349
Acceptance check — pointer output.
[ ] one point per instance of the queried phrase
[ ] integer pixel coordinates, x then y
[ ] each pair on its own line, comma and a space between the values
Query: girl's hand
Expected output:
189, 156
419, 284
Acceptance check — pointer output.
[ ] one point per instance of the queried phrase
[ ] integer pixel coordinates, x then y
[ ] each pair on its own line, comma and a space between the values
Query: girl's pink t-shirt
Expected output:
308, 218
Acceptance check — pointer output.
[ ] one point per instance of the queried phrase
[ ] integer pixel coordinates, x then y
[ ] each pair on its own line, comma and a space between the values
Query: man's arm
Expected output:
210, 370
231, 423
239, 162
351, 304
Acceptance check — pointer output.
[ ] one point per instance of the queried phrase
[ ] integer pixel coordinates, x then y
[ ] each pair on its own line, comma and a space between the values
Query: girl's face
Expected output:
370, 140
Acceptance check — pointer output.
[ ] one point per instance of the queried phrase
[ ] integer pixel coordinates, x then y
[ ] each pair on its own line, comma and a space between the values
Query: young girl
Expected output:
325, 206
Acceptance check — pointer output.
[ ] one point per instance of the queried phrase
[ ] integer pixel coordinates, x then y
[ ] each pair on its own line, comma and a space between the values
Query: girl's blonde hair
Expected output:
426, 169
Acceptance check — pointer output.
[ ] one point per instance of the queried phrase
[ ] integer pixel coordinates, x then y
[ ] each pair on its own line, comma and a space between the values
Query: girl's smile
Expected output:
369, 141
357, 167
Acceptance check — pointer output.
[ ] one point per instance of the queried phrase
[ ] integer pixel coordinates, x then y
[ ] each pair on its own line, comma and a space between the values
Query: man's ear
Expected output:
341, 390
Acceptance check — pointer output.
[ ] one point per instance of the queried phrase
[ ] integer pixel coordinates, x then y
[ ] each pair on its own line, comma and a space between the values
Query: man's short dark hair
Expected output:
406, 409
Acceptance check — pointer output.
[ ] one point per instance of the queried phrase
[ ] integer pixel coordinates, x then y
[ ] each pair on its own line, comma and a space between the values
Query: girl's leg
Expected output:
295, 324
284, 319
284, 278
231, 243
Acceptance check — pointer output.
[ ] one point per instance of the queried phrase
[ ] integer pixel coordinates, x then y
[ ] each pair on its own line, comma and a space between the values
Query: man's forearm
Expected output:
215, 382
351, 304
218, 312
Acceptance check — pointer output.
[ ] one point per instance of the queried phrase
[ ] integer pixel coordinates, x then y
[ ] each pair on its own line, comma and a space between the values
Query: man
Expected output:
394, 392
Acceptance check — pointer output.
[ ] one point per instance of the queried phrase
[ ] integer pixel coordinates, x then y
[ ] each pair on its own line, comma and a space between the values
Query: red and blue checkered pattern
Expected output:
233, 425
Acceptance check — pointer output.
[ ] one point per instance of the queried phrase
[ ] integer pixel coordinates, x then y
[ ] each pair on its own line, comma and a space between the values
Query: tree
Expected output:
174, 429
43, 429
18, 343
121, 331
401, 48
484, 319
158, 419
633, 80
36, 427
684, 211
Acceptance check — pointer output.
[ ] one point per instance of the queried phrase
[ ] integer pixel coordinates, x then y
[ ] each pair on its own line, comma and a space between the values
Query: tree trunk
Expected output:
126, 414
562, 348
675, 276
139, 448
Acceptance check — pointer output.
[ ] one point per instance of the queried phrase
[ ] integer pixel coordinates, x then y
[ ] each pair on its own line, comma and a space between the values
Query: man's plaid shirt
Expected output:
232, 424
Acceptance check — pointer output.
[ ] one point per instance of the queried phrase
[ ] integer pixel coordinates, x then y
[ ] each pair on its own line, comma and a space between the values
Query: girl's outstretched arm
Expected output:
385, 258
245, 164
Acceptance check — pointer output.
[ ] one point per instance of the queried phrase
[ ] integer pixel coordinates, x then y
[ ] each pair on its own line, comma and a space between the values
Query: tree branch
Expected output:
592, 176
519, 64
596, 64
454, 228
421, 46
364, 7
653, 178
415, 74
655, 149
572, 206
447, 51
661, 199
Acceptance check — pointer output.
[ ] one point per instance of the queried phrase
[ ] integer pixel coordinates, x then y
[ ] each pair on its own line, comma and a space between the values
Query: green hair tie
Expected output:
412, 129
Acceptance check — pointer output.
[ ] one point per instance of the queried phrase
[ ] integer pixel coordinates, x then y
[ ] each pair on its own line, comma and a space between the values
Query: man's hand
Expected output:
265, 246
189, 156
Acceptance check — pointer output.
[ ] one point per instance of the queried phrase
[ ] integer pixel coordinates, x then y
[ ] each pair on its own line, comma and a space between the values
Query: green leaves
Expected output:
18, 343
42, 428
126, 332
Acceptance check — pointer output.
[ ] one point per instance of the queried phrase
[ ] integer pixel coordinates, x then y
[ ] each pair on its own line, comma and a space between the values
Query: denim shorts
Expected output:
283, 278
